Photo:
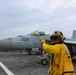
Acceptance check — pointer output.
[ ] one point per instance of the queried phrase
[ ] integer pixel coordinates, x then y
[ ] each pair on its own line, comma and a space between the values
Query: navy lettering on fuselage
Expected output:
25, 39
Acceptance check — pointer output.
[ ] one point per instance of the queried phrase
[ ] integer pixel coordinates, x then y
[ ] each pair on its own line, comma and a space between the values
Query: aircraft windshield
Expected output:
37, 33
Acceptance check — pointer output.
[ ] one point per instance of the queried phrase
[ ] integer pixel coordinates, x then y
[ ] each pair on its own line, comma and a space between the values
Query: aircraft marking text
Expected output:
25, 39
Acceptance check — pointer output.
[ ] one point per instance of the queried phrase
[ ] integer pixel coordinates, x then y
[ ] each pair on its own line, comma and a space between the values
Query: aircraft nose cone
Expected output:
5, 44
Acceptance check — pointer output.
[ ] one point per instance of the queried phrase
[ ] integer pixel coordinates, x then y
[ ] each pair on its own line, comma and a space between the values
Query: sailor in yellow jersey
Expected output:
61, 63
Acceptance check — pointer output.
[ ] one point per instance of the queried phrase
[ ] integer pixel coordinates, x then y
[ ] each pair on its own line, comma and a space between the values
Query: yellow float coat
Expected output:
61, 63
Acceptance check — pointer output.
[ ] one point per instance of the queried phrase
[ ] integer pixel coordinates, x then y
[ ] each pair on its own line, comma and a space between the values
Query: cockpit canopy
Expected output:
37, 33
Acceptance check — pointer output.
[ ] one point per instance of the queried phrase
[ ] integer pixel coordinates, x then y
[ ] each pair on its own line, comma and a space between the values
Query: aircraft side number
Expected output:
25, 39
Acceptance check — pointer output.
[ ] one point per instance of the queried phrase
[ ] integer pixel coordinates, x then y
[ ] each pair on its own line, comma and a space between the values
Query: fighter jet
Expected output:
31, 42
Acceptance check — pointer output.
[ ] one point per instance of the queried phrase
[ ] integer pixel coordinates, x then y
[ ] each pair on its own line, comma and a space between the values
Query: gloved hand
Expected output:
43, 40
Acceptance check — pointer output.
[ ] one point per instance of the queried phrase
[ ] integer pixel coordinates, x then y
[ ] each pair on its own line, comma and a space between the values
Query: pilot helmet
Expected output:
57, 35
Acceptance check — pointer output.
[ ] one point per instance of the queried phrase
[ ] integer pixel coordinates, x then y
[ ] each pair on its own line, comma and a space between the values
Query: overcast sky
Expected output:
20, 17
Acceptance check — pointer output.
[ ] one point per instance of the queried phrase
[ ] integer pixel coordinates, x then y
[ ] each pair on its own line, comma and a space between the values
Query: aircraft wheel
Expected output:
43, 61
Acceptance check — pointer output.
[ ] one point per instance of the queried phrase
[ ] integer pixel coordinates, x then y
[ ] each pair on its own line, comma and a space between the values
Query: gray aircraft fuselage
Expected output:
22, 42
32, 41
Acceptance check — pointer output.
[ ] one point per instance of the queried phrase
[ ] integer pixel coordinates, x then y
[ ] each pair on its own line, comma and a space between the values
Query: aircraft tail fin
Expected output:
74, 34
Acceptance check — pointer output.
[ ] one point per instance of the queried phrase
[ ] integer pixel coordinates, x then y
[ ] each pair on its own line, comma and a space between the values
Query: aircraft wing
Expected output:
70, 41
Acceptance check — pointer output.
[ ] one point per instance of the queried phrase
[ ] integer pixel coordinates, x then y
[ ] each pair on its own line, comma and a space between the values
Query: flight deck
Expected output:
21, 64
15, 63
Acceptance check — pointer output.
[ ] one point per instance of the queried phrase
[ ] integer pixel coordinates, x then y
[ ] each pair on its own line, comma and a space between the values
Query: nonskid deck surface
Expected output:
21, 64
16, 63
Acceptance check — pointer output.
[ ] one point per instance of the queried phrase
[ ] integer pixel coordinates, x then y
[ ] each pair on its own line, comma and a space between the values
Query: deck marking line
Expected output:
6, 69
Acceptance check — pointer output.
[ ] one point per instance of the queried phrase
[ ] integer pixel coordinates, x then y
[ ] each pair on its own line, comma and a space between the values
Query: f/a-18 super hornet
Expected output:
24, 42
31, 42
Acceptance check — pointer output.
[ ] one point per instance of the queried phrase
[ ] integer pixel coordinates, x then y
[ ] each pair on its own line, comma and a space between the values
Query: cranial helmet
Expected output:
57, 35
